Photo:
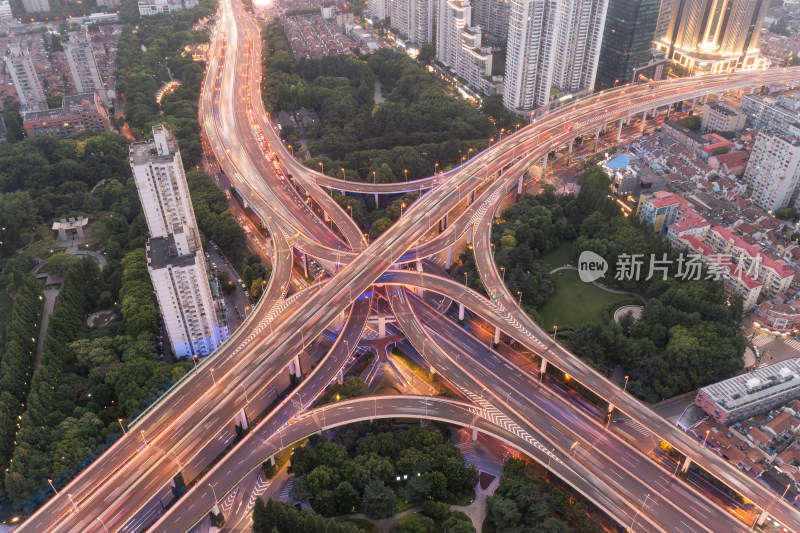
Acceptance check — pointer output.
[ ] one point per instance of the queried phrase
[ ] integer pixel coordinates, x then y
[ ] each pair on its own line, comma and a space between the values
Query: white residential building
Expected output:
82, 65
154, 7
773, 171
5, 10
552, 44
378, 9
458, 45
34, 6
163, 191
184, 296
414, 19
20, 66
175, 257
492, 16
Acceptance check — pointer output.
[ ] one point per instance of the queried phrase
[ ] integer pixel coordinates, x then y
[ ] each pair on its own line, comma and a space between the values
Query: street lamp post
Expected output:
465, 278
322, 168
405, 171
141, 432
706, 439
216, 501
503, 269
574, 445
101, 522
245, 392
119, 420
519, 293
402, 206
626, 384
555, 330
74, 505
52, 486
212, 377
639, 510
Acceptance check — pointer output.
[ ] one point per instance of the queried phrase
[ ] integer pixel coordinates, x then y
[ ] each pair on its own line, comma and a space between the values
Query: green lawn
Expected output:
6, 303
560, 256
574, 302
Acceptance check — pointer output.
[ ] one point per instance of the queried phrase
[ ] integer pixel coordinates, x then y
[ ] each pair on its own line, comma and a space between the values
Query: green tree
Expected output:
379, 500
353, 387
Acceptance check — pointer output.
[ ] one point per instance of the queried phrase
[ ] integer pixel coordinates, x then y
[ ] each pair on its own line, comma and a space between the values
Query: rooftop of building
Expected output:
759, 384
723, 108
162, 252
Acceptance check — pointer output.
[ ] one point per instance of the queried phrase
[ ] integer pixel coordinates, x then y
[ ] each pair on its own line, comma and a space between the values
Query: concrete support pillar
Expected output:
446, 220
432, 370
382, 327
419, 265
705, 98
460, 311
544, 164
472, 194
596, 139
496, 335
376, 200
610, 407
543, 366
719, 96
469, 234
619, 129
569, 150
474, 434
297, 372
448, 261
344, 193
686, 464
338, 324
694, 103
644, 121
762, 518
326, 217
305, 264
241, 418
271, 460
339, 377
519, 185
628, 120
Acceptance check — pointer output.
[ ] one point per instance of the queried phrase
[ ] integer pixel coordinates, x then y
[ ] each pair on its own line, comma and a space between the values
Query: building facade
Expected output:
5, 10
751, 394
492, 16
553, 47
378, 10
715, 36
175, 257
773, 171
662, 24
82, 65
720, 117
770, 114
459, 46
778, 317
154, 7
414, 19
19, 65
627, 41
78, 113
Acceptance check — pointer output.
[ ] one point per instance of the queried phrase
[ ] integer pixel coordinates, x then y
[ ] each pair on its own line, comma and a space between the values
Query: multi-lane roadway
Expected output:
126, 478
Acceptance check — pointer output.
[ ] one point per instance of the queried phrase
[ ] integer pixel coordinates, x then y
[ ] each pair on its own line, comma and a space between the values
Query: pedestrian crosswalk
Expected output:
467, 449
762, 340
636, 426
287, 488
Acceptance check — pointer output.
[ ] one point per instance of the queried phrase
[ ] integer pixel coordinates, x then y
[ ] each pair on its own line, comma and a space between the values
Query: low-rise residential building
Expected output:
721, 117
731, 163
750, 394
154, 7
78, 113
778, 317
770, 114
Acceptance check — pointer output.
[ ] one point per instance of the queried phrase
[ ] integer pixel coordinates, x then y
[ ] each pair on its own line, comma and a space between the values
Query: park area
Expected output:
574, 302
